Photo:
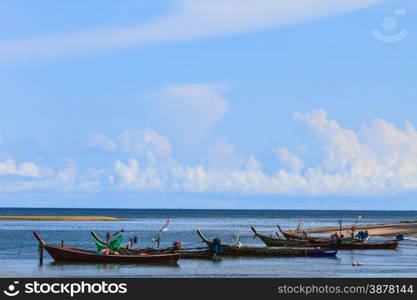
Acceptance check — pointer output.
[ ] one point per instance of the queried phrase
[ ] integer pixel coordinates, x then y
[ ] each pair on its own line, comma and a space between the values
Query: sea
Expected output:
19, 249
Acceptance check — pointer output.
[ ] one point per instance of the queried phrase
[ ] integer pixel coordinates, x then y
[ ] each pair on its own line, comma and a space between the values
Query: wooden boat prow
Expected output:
278, 242
288, 235
203, 238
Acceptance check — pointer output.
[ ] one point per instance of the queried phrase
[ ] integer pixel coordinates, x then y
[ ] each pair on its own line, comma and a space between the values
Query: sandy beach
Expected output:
408, 229
59, 218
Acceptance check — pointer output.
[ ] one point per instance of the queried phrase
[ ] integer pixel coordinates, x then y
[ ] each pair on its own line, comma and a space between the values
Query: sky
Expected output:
304, 104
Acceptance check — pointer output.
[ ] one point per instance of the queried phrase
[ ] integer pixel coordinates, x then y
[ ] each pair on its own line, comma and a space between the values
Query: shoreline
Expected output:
60, 218
408, 229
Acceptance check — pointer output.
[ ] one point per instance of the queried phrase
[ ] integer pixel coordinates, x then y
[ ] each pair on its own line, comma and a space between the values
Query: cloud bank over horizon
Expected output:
191, 19
377, 159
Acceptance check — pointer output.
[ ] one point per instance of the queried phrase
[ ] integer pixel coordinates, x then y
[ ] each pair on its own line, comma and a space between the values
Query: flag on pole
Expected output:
165, 227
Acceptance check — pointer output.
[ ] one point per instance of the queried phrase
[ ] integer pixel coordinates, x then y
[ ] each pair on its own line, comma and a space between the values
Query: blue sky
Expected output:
208, 104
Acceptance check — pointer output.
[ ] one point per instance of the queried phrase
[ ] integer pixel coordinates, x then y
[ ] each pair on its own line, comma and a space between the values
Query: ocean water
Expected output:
19, 252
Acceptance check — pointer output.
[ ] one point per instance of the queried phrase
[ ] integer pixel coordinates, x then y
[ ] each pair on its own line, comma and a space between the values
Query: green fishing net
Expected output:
100, 245
116, 243
113, 245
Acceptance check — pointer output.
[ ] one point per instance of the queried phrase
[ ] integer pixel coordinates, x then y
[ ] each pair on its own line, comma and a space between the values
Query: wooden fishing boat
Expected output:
235, 250
331, 239
61, 253
315, 240
353, 244
328, 244
278, 242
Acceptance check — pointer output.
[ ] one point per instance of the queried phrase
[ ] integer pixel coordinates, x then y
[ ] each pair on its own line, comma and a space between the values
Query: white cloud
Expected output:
189, 111
341, 145
395, 149
101, 141
9, 167
191, 19
137, 142
29, 177
380, 158
292, 160
223, 155
133, 177
29, 169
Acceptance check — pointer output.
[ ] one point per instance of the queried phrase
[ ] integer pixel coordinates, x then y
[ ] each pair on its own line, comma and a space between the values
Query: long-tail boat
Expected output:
61, 253
355, 244
315, 240
299, 234
192, 253
341, 244
237, 250
270, 241
318, 240
329, 244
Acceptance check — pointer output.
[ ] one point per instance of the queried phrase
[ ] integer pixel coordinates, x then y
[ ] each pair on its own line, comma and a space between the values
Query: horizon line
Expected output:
260, 209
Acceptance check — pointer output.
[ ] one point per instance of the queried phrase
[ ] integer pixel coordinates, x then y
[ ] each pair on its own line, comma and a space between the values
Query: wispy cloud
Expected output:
136, 142
30, 177
103, 142
191, 19
9, 167
189, 111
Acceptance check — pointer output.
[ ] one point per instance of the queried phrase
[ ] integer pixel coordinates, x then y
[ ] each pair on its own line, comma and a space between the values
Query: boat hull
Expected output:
229, 250
322, 253
344, 246
185, 254
363, 246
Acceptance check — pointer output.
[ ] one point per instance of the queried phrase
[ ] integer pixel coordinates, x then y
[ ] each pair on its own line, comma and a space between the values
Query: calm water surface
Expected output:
18, 248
